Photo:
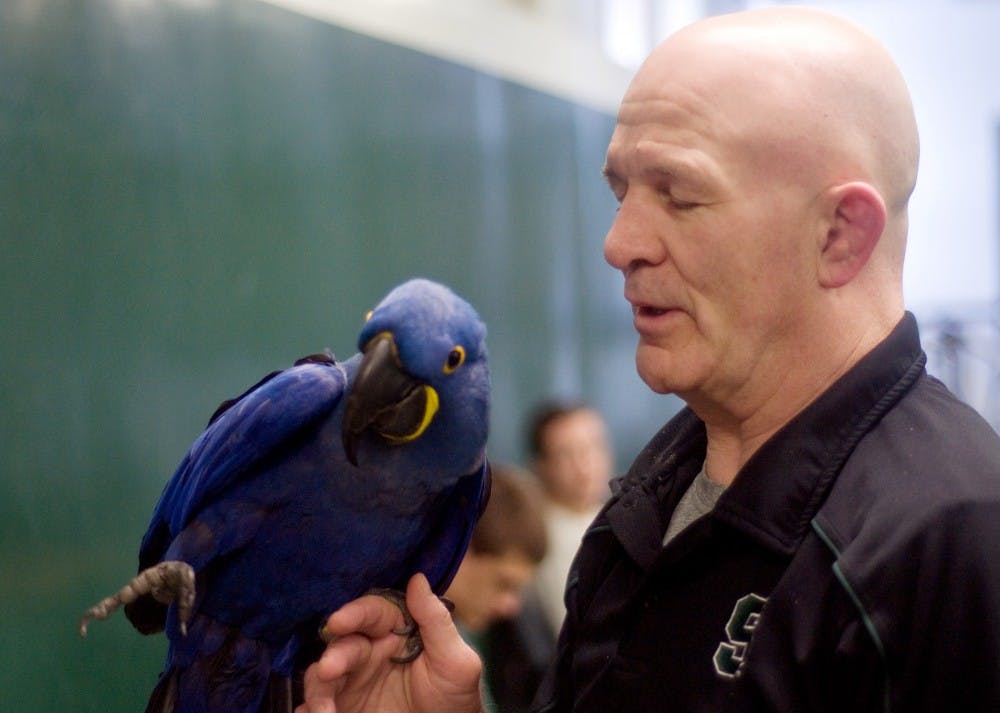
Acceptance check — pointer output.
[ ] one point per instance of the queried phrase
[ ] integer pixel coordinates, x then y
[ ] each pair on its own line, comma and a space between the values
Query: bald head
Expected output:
810, 97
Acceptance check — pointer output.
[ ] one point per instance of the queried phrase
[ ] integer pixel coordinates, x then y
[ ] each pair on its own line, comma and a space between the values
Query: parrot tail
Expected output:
278, 697
216, 669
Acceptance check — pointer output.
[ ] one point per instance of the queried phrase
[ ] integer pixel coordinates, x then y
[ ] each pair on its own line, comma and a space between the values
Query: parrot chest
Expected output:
315, 549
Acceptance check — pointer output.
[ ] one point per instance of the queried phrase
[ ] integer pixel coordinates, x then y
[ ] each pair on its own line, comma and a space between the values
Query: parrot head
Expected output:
423, 361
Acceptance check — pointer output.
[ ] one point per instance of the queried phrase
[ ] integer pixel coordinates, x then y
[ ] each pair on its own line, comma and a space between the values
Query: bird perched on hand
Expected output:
322, 482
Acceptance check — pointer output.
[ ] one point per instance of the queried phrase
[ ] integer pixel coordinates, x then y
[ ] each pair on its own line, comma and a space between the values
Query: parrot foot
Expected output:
414, 643
167, 582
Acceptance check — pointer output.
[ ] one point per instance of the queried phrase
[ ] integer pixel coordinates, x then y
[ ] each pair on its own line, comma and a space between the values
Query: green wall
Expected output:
193, 194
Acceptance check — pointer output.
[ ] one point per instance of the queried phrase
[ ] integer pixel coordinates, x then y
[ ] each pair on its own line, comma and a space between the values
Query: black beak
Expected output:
384, 397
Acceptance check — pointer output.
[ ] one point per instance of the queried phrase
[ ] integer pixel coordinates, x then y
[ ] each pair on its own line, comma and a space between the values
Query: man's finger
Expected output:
317, 705
443, 645
346, 654
318, 695
437, 628
370, 615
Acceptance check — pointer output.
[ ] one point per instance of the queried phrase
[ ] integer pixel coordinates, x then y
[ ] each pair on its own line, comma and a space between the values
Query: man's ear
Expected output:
858, 218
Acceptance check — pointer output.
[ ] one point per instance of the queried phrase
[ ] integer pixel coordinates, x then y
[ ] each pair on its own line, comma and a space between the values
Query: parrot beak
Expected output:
384, 397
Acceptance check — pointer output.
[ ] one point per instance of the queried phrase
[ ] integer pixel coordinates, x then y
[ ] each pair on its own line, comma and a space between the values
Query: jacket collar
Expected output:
779, 490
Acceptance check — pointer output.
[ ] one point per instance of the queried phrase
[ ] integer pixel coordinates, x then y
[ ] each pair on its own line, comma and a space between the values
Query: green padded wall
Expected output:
193, 194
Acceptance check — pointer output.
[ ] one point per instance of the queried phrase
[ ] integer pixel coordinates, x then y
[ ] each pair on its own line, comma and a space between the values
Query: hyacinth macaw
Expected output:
322, 482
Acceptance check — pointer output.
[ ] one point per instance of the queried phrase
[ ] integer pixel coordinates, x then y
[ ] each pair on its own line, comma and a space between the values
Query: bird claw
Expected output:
167, 582
410, 630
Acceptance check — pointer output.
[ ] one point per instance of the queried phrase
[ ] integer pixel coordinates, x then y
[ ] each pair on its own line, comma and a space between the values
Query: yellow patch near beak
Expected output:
431, 404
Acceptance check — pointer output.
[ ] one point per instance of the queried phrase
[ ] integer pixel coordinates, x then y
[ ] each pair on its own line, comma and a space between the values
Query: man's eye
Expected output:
682, 204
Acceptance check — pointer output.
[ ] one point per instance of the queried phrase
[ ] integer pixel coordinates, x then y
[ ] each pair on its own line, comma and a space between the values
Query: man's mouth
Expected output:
647, 311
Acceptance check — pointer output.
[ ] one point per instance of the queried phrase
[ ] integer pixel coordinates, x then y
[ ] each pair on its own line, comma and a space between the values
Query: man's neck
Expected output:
739, 426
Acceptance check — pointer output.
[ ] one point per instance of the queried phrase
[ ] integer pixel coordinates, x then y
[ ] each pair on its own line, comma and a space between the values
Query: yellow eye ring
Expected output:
456, 357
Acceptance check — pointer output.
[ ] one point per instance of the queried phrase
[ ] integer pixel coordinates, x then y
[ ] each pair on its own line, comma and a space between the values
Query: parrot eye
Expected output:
456, 357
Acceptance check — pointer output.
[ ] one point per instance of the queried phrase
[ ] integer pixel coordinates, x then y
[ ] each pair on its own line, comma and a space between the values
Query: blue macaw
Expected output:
322, 482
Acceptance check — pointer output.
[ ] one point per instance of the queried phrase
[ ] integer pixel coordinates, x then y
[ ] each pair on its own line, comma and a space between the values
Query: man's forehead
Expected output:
666, 130
681, 89
661, 104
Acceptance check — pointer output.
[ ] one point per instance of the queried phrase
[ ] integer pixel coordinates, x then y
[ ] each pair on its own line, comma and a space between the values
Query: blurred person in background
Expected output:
571, 455
507, 545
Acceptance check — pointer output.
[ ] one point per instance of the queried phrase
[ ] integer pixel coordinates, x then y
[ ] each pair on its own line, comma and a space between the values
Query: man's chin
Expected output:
660, 370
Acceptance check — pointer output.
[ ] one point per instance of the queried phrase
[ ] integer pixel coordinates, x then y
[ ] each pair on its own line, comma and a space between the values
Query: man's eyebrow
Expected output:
673, 164
664, 166
668, 166
670, 175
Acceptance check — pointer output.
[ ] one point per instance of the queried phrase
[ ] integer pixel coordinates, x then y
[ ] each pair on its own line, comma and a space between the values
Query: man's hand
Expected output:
356, 674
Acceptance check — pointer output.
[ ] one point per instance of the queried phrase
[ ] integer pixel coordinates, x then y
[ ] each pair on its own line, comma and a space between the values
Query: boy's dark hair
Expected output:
514, 519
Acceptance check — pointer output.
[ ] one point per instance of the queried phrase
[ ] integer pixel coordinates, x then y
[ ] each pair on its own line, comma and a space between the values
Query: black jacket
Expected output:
852, 566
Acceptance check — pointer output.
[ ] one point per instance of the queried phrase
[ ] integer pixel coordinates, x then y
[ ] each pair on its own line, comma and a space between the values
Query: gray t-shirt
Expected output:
699, 500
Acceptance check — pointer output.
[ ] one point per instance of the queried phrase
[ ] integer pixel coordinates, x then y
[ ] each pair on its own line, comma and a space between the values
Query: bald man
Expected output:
820, 529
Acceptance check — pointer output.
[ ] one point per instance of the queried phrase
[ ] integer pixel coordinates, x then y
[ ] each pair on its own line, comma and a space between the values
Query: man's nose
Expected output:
631, 239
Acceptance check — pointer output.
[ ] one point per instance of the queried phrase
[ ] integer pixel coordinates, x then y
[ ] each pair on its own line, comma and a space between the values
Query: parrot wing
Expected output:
443, 550
256, 426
